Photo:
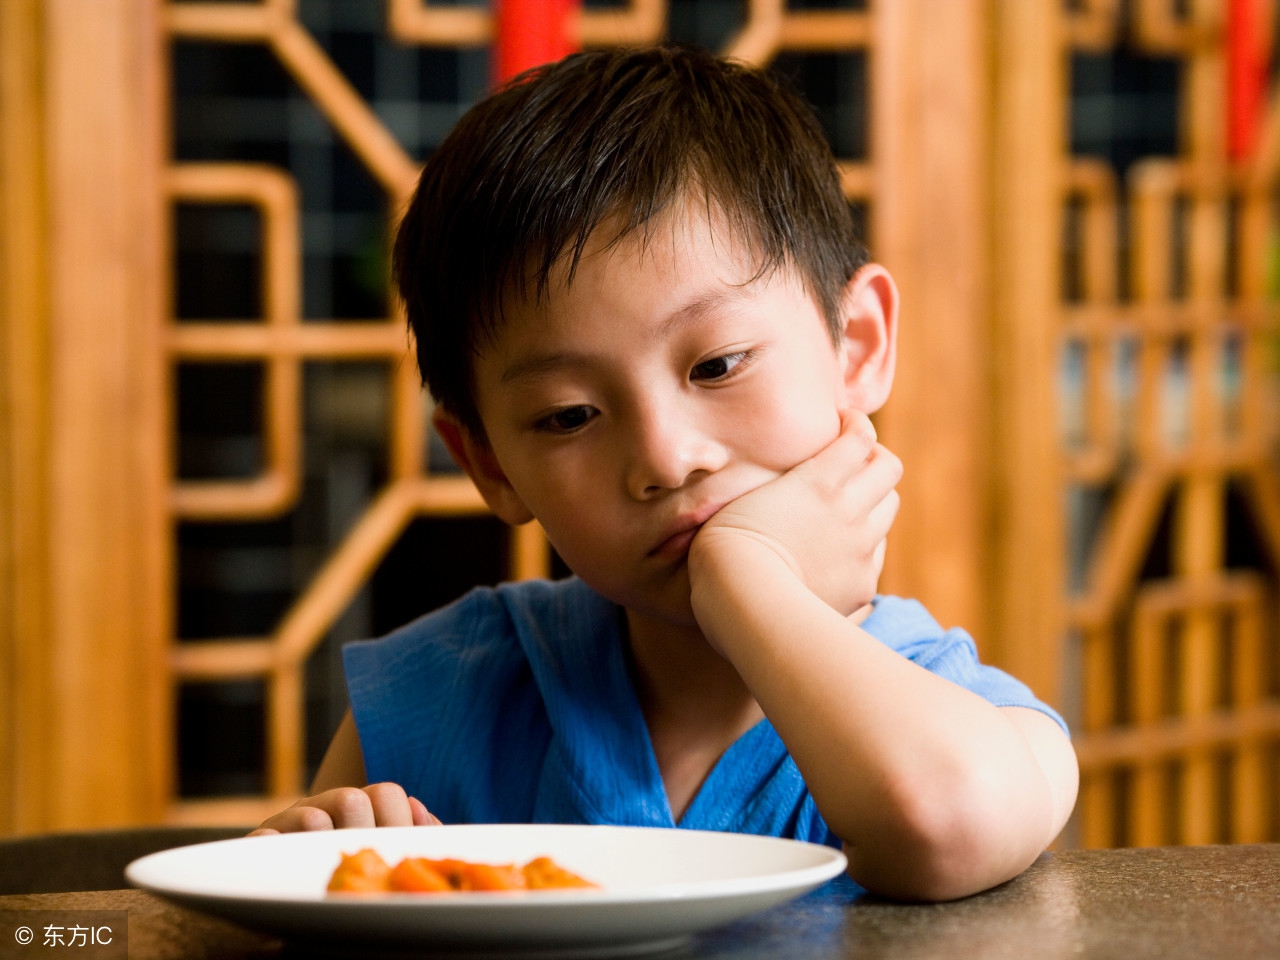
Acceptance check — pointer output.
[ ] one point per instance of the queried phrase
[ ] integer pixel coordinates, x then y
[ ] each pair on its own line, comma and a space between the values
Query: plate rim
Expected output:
834, 861
527, 924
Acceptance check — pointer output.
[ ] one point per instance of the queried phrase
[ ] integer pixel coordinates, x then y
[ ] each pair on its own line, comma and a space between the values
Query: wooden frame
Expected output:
930, 134
1027, 573
1177, 710
85, 690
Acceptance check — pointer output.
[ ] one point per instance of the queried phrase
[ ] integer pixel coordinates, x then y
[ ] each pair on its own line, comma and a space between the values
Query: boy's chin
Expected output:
661, 620
668, 604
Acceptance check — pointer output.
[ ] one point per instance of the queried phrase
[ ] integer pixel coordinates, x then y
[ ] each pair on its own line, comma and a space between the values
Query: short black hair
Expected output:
529, 173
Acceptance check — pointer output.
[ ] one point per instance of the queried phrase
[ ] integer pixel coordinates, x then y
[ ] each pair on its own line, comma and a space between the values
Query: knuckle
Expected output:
313, 818
826, 489
349, 800
890, 462
385, 793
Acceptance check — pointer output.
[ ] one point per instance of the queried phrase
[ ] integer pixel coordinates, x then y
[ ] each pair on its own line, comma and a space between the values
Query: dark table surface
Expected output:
1168, 903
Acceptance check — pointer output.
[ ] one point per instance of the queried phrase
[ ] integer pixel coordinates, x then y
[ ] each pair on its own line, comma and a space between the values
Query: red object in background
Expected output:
1248, 68
532, 32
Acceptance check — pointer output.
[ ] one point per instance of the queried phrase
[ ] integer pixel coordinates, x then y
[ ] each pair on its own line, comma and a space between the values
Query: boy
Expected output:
641, 310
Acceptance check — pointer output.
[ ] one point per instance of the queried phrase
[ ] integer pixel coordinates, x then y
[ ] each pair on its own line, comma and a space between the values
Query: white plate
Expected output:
658, 887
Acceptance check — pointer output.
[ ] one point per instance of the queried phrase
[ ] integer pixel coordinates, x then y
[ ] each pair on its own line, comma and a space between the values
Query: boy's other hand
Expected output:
377, 805
827, 519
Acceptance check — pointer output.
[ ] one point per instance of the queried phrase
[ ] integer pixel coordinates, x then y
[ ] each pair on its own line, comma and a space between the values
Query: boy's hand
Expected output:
377, 805
826, 519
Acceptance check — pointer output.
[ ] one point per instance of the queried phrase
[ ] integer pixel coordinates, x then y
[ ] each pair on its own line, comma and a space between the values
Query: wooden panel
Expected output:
1178, 666
930, 139
282, 342
24, 603
91, 708
1027, 570
417, 21
109, 562
771, 28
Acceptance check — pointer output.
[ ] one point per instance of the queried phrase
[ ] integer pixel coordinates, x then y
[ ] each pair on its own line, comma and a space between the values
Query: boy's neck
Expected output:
694, 703
678, 673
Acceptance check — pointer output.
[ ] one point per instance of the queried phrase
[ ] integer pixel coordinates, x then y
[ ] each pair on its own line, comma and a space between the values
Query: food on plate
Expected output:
544, 873
366, 872
361, 871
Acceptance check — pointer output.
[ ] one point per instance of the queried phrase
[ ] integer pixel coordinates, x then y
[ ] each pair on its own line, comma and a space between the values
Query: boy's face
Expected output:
633, 404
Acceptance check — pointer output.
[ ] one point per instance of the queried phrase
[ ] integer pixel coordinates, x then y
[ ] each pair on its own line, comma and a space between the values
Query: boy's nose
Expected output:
670, 449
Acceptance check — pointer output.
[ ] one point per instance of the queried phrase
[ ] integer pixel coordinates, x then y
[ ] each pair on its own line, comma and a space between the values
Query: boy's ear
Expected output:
474, 455
869, 342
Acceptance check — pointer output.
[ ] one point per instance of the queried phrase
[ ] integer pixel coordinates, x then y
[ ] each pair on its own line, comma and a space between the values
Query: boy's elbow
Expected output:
946, 846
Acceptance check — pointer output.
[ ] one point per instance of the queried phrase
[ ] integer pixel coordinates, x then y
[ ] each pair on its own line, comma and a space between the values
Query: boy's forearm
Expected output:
934, 791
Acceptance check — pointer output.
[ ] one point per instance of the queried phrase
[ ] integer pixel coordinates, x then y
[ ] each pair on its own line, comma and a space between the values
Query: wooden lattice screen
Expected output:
1131, 375
1173, 332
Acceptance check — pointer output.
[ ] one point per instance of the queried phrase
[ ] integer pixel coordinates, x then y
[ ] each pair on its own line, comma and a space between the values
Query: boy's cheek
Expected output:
802, 441
759, 479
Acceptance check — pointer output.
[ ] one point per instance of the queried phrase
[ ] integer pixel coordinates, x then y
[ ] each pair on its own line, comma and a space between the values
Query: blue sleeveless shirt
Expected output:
516, 705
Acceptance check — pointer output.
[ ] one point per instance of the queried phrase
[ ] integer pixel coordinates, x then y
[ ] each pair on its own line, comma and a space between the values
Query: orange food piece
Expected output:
487, 876
418, 875
454, 871
361, 872
366, 872
545, 874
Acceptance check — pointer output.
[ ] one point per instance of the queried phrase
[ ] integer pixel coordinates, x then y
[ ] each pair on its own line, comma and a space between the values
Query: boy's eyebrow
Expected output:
537, 364
699, 306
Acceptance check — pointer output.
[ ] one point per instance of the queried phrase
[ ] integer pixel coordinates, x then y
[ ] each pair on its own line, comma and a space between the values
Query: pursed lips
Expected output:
676, 543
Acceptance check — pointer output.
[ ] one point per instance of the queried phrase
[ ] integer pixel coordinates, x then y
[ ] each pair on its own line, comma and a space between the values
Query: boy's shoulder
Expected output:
907, 627
461, 704
903, 623
495, 621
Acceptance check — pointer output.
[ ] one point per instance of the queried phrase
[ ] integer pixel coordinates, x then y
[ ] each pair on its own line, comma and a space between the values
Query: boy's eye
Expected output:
718, 368
567, 420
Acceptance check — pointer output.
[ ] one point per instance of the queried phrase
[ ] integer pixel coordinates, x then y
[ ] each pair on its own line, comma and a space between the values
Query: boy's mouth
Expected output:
676, 545
681, 533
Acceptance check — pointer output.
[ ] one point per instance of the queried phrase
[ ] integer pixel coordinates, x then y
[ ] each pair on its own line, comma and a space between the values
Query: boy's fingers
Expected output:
884, 467
349, 807
296, 819
422, 817
869, 483
389, 805
847, 453
880, 518
377, 805
878, 557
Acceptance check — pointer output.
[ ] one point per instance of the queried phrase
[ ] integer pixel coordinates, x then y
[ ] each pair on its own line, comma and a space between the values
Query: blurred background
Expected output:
215, 466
